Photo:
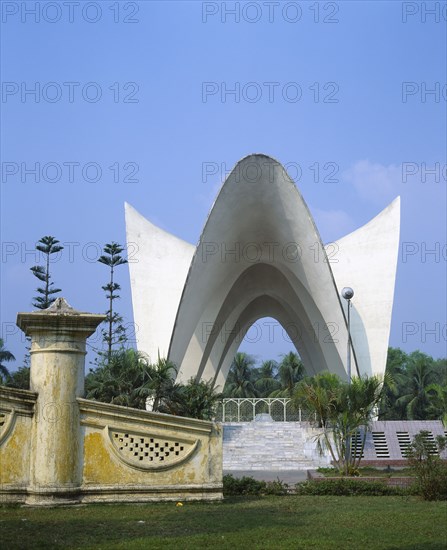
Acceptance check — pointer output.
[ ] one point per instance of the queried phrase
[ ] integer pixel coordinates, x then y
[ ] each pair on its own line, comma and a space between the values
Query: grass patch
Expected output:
298, 522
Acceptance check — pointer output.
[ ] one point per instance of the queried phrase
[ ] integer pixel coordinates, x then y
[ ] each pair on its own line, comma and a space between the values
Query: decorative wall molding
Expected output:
149, 451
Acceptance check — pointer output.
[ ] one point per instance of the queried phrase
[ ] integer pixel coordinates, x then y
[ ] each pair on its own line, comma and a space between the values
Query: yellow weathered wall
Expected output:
16, 417
57, 448
108, 473
200, 473
14, 453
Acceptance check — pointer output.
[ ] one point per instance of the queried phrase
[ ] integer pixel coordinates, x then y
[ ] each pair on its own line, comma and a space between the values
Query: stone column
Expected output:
58, 338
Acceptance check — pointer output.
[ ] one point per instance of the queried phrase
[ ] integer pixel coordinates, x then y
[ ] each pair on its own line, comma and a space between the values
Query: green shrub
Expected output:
249, 486
369, 471
242, 486
246, 485
347, 487
277, 487
429, 469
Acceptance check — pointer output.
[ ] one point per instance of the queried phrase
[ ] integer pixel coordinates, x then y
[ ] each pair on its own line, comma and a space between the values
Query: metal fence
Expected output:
245, 410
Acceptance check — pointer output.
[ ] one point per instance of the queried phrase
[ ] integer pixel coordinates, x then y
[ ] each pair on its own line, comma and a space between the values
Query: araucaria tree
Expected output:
48, 246
115, 333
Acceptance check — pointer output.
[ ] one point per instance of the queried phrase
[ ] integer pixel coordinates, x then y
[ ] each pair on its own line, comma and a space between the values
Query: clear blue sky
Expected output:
145, 88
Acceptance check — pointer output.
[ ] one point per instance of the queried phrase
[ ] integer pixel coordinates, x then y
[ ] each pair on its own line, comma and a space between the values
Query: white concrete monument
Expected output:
260, 255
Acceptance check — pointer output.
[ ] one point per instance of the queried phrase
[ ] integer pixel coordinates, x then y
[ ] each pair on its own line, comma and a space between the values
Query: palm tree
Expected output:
437, 408
124, 380
194, 400
362, 397
128, 379
20, 378
5, 356
341, 409
161, 383
267, 378
319, 394
395, 371
414, 385
291, 371
240, 377
440, 370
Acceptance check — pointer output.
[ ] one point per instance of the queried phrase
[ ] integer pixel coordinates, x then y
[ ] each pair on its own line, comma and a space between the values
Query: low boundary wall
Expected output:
58, 448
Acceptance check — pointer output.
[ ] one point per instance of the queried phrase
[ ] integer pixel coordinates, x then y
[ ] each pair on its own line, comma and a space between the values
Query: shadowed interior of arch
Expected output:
263, 290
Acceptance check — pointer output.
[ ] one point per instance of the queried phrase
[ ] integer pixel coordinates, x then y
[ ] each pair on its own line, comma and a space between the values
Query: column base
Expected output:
50, 496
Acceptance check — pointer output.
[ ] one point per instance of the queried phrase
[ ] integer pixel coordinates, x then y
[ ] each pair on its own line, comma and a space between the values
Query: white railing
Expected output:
245, 410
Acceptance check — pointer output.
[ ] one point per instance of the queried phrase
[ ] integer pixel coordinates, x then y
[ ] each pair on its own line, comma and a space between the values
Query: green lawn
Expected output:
290, 522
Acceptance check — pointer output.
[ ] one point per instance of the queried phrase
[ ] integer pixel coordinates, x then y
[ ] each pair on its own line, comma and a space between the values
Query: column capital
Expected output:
59, 317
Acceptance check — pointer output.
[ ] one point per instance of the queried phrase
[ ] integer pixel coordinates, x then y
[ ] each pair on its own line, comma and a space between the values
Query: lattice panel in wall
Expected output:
3, 423
150, 451
6, 423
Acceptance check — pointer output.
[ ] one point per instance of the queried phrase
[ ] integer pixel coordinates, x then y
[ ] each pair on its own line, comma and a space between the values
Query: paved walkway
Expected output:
287, 476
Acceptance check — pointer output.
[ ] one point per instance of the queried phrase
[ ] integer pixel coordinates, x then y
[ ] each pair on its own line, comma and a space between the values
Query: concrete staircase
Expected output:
269, 445
278, 446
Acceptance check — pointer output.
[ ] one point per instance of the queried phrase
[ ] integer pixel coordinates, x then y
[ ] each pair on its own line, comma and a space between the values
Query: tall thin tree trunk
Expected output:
109, 352
357, 464
47, 281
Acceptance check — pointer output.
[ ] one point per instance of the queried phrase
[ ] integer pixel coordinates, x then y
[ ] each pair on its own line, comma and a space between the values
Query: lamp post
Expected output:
348, 294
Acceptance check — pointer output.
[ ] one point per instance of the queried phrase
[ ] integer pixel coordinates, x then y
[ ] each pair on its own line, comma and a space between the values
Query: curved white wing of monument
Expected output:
158, 264
367, 259
260, 255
